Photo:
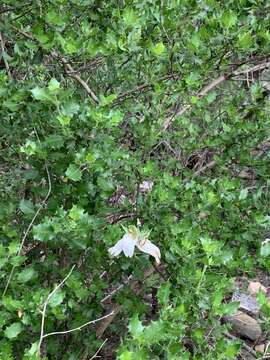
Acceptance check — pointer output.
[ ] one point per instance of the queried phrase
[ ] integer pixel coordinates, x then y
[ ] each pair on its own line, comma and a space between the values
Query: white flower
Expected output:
133, 238
126, 244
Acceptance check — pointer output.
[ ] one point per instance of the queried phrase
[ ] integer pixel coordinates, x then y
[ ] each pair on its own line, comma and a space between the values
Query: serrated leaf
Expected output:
74, 173
130, 17
245, 41
13, 330
44, 231
53, 85
154, 332
158, 49
135, 326
228, 19
70, 109
76, 212
115, 117
229, 308
126, 355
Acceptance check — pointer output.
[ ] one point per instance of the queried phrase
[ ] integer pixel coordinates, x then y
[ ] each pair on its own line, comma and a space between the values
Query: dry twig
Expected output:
212, 85
46, 304
30, 226
116, 308
72, 73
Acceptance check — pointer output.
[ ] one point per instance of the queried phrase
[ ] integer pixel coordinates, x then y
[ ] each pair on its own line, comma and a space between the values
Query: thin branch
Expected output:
42, 336
3, 55
79, 327
122, 97
117, 289
30, 226
212, 85
135, 285
98, 350
71, 72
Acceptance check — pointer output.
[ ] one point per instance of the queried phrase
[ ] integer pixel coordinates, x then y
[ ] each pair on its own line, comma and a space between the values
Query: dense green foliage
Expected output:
65, 154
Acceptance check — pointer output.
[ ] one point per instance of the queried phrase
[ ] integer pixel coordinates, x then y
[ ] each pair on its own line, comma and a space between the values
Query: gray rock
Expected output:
244, 325
248, 303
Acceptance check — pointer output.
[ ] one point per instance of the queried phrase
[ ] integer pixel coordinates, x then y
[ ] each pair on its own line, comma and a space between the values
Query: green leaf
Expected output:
228, 19
155, 332
130, 17
126, 355
70, 109
74, 173
76, 212
27, 207
13, 330
115, 117
57, 298
243, 194
26, 275
42, 94
245, 40
158, 49
135, 326
107, 100
232, 350
54, 85
265, 248
163, 293
229, 308
44, 231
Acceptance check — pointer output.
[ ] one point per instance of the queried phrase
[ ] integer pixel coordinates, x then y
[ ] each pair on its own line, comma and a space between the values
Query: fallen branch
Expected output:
212, 85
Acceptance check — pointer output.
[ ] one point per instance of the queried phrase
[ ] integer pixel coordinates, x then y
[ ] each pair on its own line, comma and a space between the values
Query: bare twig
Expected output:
135, 285
42, 336
3, 55
30, 226
98, 350
212, 85
118, 288
79, 327
142, 87
71, 72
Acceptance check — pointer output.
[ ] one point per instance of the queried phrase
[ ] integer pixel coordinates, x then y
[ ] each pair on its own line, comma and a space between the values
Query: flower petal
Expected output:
149, 248
117, 248
126, 244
